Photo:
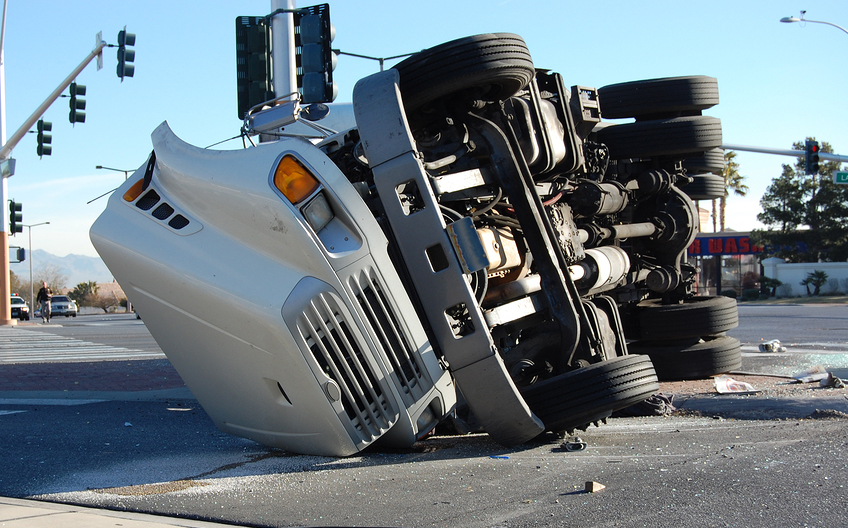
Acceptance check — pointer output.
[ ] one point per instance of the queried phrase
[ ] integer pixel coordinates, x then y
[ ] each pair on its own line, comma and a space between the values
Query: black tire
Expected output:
654, 98
704, 187
696, 317
662, 137
492, 66
711, 161
582, 396
712, 356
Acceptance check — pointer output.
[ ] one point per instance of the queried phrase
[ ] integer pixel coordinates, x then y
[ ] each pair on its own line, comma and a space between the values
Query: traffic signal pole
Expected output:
782, 152
282, 33
6, 152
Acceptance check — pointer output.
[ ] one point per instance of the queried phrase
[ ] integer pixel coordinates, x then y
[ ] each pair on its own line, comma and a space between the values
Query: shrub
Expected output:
729, 293
751, 294
831, 287
817, 278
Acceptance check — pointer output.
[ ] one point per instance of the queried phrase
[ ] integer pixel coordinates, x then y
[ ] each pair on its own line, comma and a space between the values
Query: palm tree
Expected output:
733, 181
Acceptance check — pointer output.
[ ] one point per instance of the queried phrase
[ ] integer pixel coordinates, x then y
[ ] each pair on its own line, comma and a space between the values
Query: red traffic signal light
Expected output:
811, 157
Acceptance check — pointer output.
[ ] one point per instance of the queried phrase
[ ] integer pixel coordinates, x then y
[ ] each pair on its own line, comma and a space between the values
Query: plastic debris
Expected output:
127, 424
772, 346
593, 487
725, 385
499, 456
575, 443
832, 382
816, 373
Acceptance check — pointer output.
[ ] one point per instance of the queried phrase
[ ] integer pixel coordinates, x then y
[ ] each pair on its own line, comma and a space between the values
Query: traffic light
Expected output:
15, 217
44, 140
77, 104
811, 157
253, 63
314, 34
125, 55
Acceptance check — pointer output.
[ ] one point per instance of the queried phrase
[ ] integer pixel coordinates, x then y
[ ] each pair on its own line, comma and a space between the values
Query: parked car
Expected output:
20, 309
63, 305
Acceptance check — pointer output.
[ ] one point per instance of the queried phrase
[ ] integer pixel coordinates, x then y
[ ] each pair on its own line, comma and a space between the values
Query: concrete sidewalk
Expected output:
20, 513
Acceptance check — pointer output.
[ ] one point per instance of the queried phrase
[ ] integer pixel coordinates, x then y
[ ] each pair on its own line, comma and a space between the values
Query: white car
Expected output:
63, 305
20, 309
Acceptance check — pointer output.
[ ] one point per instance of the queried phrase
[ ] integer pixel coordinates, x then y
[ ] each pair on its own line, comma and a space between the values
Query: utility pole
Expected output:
6, 152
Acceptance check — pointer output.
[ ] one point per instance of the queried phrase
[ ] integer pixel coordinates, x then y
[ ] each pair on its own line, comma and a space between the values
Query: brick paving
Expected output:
129, 376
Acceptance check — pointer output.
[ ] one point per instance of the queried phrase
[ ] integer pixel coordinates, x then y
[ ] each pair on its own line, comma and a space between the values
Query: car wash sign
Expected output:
739, 244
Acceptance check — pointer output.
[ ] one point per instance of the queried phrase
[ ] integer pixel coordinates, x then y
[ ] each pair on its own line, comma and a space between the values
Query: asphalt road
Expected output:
163, 455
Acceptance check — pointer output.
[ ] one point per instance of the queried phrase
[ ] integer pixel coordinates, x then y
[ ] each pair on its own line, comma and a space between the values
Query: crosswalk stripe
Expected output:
26, 346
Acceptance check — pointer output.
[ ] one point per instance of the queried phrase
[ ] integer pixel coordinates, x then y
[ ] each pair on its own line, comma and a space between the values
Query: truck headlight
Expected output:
318, 212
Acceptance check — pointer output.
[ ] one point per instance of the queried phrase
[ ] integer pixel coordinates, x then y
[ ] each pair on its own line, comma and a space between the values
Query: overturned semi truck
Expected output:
478, 246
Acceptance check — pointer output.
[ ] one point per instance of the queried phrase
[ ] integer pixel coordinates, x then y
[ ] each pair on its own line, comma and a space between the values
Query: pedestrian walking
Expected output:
43, 297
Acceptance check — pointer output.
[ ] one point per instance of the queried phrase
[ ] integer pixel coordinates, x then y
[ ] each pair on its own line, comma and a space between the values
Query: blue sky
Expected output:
185, 74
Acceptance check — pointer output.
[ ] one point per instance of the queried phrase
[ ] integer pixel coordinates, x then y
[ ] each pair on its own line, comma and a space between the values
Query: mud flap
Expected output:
454, 316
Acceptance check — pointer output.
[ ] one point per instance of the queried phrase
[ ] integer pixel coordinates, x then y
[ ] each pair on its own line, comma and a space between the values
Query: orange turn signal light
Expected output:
294, 180
134, 191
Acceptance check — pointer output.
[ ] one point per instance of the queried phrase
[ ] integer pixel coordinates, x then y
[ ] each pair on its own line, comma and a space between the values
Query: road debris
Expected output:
832, 382
772, 346
726, 385
575, 443
657, 405
593, 487
816, 373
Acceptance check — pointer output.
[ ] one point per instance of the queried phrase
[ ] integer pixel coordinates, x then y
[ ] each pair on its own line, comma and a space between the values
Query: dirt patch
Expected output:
769, 386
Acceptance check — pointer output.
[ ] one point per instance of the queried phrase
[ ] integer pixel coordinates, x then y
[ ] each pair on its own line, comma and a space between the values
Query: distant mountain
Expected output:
77, 268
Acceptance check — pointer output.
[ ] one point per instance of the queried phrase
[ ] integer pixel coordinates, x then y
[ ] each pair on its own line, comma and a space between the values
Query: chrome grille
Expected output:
384, 328
339, 356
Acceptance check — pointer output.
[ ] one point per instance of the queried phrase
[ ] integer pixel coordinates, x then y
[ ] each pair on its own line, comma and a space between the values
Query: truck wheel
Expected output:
654, 98
704, 187
711, 356
662, 137
492, 67
711, 161
696, 317
582, 396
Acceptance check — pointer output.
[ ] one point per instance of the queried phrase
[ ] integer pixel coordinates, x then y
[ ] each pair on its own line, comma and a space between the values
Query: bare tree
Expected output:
52, 275
16, 285
102, 301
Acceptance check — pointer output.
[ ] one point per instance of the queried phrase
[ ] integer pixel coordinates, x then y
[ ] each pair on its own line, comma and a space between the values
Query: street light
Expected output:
126, 172
790, 20
29, 250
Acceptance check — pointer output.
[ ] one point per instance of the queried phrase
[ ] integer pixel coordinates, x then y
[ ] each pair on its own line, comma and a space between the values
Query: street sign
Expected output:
841, 177
7, 167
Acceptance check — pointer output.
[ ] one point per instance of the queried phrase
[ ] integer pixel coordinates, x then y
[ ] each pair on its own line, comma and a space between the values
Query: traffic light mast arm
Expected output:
793, 153
6, 150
